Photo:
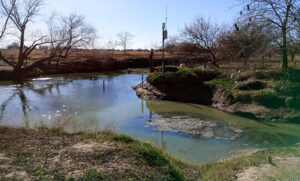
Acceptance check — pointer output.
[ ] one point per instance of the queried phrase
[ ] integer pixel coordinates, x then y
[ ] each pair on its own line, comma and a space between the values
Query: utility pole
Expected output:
164, 37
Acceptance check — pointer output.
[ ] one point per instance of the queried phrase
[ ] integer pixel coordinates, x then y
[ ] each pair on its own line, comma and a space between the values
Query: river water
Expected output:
93, 102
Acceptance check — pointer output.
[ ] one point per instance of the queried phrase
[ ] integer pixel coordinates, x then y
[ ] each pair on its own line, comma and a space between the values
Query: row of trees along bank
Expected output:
263, 28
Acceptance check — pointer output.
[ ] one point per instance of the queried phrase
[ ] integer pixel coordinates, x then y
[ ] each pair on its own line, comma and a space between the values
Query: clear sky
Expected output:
143, 18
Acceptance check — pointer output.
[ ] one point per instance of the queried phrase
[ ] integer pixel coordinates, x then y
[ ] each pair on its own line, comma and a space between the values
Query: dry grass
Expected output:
99, 54
106, 55
43, 154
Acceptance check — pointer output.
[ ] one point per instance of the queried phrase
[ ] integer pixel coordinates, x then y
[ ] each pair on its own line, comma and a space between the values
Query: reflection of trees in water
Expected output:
4, 105
25, 106
19, 91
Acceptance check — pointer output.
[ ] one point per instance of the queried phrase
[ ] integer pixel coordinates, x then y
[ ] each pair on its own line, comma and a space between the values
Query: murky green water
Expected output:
92, 102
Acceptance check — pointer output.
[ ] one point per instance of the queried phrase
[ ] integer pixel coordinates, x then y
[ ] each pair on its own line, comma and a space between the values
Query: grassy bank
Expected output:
271, 95
44, 154
47, 154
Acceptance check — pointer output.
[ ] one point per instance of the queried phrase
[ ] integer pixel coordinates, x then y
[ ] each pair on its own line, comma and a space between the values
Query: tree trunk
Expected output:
214, 60
18, 74
284, 50
21, 58
18, 68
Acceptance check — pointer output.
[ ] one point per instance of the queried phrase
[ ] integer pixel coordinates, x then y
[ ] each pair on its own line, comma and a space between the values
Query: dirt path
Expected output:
281, 169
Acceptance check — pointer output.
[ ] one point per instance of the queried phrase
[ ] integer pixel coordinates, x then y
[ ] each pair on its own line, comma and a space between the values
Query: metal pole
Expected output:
163, 49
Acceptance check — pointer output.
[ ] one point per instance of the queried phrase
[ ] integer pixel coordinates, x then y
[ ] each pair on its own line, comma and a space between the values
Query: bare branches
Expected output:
66, 33
203, 34
7, 12
5, 60
282, 16
24, 12
125, 39
69, 32
251, 41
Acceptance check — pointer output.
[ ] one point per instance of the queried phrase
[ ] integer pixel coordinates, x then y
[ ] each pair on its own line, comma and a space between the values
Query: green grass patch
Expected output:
157, 158
269, 99
222, 83
122, 138
228, 169
265, 97
272, 75
285, 152
183, 74
154, 157
107, 137
251, 85
24, 157
92, 174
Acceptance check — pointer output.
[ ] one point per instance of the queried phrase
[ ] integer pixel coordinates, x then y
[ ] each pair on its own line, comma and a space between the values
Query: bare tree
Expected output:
125, 39
293, 49
22, 14
67, 33
204, 34
172, 43
280, 15
110, 46
250, 41
5, 15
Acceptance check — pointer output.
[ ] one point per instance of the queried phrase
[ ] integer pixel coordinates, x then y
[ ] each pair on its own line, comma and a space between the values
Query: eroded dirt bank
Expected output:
263, 95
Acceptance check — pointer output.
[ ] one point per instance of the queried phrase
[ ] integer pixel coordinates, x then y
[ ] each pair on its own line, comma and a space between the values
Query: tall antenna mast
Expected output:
164, 37
166, 14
